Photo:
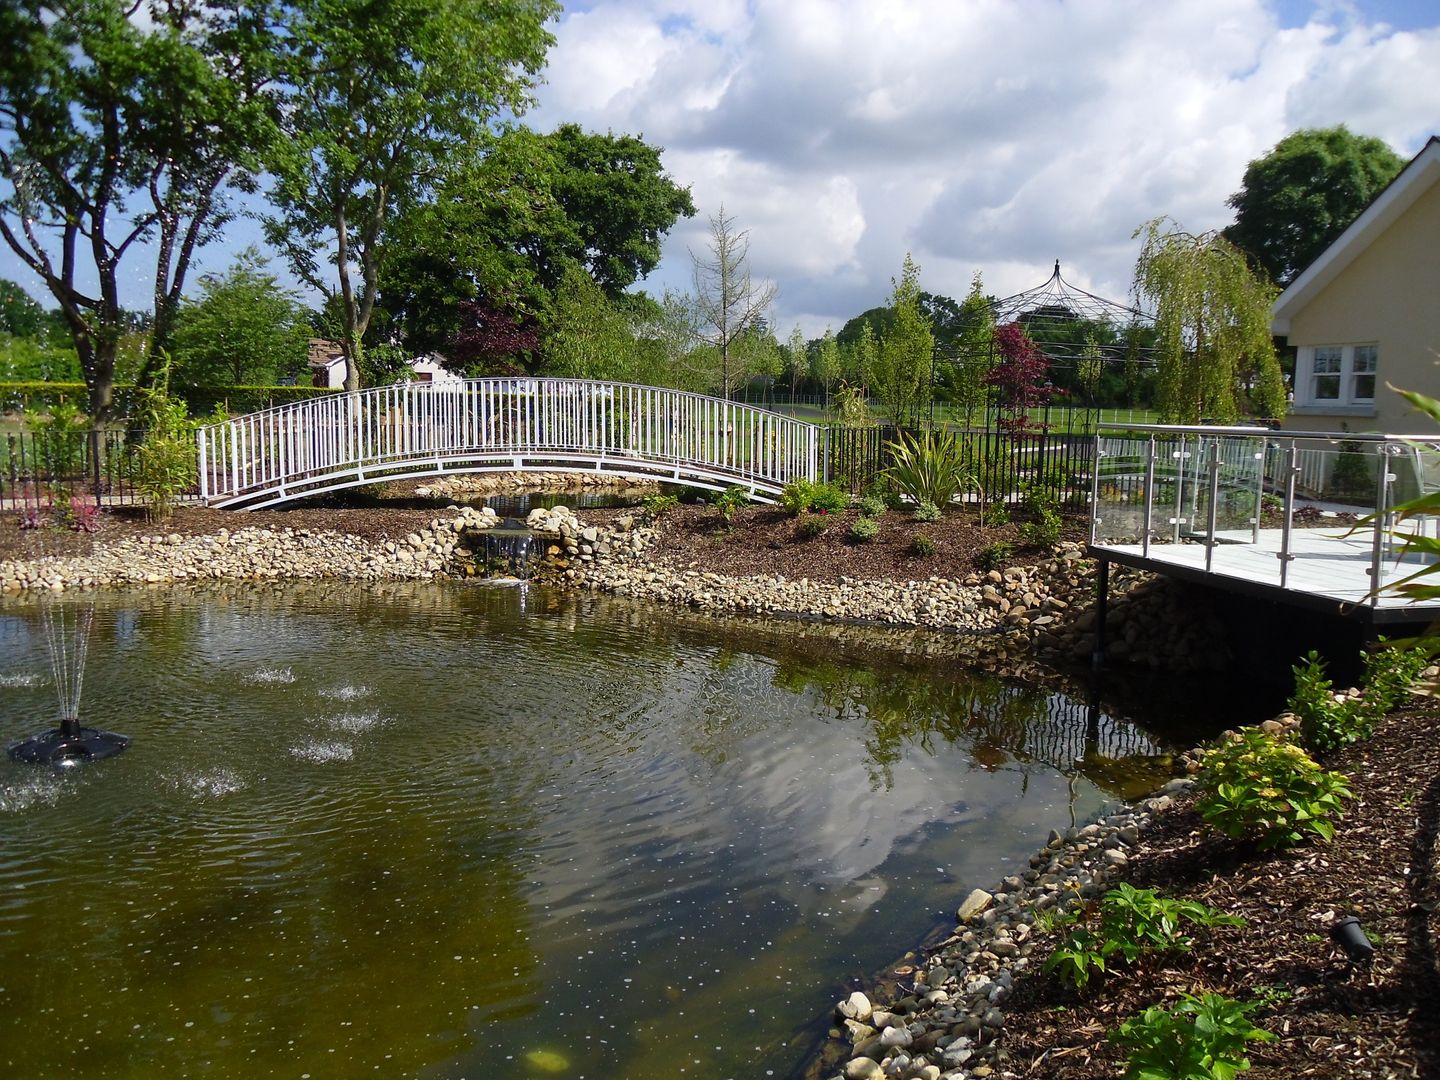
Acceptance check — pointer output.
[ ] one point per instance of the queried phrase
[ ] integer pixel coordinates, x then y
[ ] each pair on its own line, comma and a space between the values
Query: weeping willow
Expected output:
1214, 356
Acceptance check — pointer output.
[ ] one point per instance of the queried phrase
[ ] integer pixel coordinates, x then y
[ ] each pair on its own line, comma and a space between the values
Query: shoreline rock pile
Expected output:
948, 1026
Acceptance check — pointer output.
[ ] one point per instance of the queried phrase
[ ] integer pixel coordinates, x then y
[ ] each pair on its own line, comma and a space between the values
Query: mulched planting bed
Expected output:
1334, 1019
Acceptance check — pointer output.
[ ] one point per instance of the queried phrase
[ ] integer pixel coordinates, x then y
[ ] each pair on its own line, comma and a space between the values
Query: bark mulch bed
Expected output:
1333, 1019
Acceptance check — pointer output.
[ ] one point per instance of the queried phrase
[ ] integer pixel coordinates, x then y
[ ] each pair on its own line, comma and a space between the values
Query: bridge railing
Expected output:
483, 420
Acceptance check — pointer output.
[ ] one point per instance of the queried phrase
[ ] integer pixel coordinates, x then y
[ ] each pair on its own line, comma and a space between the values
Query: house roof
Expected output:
1399, 195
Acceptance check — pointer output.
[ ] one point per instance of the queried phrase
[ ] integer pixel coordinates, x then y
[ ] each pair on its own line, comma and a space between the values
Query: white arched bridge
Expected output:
415, 430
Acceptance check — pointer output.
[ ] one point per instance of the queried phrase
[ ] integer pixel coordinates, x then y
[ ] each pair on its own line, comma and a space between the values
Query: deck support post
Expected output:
1102, 605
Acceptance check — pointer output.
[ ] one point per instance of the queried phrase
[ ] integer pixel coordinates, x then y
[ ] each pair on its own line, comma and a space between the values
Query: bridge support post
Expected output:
1102, 606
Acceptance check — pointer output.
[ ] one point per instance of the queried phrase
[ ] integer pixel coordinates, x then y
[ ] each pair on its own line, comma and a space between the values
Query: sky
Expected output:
978, 135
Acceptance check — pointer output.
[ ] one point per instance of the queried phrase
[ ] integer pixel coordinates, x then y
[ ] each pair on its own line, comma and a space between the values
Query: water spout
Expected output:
69, 744
508, 549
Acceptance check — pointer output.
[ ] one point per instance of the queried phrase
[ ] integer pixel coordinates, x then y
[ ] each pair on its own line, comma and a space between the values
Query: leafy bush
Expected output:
730, 500
1259, 788
1326, 723
1197, 1039
922, 545
870, 505
797, 496
811, 526
1133, 923
864, 530
653, 506
79, 514
933, 466
1044, 531
164, 464
995, 516
925, 510
830, 498
994, 556
1390, 671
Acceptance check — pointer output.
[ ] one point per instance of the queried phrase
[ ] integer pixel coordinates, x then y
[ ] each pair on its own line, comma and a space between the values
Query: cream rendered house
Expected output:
1367, 312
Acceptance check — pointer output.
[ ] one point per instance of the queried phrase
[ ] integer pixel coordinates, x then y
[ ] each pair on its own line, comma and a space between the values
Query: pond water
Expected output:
447, 831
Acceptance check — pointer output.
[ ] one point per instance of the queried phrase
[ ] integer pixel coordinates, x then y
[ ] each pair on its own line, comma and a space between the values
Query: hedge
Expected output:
202, 400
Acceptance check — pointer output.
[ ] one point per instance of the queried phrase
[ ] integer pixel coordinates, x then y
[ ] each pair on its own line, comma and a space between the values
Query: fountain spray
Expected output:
70, 743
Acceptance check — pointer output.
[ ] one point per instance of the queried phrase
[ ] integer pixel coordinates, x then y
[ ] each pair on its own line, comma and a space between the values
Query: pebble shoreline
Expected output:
946, 1027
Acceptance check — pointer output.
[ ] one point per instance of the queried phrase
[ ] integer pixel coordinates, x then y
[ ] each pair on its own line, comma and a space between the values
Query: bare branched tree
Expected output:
729, 303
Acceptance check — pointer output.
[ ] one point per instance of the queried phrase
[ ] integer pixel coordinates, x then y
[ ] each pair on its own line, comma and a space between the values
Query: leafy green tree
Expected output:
590, 338
729, 303
797, 358
1214, 355
244, 329
1304, 193
900, 373
119, 138
381, 94
24, 359
971, 353
826, 365
20, 316
516, 217
859, 360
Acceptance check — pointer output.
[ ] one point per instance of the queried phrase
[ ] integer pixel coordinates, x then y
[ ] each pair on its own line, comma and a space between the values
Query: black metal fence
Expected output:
49, 468
1005, 463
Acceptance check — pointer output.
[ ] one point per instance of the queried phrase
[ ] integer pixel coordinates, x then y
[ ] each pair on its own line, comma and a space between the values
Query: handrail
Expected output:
1270, 432
493, 424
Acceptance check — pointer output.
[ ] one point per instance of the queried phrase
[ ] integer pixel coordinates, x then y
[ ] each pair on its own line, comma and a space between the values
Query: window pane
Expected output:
1363, 388
1365, 357
1327, 360
1327, 387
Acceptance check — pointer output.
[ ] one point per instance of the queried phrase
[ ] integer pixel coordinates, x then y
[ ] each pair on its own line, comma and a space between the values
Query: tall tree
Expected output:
1214, 355
517, 215
900, 373
589, 337
1304, 193
244, 328
797, 358
729, 302
826, 365
971, 352
382, 94
20, 315
119, 137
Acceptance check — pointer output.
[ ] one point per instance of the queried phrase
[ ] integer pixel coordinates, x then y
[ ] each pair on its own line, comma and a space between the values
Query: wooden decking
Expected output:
1329, 570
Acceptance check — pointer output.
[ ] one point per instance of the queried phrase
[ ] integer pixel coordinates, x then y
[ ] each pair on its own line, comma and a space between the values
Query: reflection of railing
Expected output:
1296, 494
501, 424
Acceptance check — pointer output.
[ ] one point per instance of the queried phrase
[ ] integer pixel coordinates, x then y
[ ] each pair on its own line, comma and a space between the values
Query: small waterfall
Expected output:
508, 550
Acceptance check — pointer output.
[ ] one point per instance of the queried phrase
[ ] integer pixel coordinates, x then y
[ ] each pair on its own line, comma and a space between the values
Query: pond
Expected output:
447, 831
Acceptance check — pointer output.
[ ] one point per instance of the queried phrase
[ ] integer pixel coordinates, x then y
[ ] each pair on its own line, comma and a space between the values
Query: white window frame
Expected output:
1337, 366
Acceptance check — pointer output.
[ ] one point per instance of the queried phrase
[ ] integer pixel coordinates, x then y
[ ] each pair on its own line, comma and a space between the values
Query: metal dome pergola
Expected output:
1070, 326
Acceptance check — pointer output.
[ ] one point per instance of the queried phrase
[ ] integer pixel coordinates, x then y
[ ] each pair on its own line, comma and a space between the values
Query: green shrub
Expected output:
653, 506
1259, 788
1044, 531
1390, 672
864, 530
922, 545
1133, 923
1197, 1039
797, 496
933, 466
1326, 722
164, 465
811, 526
994, 556
831, 498
870, 505
995, 516
731, 500
925, 510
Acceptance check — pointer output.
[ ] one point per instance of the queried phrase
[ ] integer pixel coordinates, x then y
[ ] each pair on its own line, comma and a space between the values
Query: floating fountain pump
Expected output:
70, 743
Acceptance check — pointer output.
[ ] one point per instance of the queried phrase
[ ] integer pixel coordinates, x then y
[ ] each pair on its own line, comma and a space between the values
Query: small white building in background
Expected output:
327, 367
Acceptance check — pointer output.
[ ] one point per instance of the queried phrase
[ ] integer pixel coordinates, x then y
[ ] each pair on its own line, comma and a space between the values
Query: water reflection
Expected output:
456, 831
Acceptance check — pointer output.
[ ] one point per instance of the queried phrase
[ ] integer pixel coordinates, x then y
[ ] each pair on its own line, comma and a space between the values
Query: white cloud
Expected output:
978, 134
